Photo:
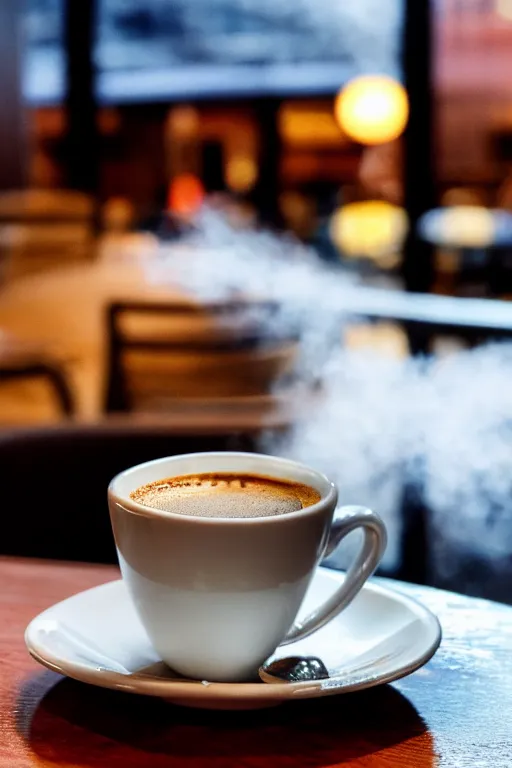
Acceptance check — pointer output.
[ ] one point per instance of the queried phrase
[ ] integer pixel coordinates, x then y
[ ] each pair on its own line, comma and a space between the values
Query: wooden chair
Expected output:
163, 352
22, 361
41, 228
45, 205
54, 481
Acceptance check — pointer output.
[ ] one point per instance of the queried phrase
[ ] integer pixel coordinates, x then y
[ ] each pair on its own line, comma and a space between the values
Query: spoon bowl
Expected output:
293, 669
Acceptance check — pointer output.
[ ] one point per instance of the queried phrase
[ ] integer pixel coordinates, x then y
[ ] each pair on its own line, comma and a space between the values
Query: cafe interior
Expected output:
255, 247
261, 227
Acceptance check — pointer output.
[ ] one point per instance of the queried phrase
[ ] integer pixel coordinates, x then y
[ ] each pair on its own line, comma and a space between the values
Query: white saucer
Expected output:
96, 637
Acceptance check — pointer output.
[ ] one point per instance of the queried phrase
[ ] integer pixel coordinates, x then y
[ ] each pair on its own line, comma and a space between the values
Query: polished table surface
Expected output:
456, 711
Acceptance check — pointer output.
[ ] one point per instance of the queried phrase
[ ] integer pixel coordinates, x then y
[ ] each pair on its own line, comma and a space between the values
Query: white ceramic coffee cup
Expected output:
218, 595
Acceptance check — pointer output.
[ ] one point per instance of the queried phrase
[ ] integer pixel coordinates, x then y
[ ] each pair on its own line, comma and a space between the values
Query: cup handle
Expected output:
374, 544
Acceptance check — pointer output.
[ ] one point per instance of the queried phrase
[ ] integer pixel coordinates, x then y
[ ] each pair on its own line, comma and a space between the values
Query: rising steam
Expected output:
441, 425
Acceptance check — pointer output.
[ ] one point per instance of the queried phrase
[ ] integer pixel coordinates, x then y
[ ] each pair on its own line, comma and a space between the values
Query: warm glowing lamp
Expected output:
460, 226
186, 194
504, 9
372, 229
372, 109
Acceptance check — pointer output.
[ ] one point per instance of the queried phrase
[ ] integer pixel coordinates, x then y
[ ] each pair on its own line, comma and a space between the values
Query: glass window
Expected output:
167, 49
44, 53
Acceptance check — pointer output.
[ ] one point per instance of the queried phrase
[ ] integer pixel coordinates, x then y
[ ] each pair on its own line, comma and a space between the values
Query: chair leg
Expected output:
61, 388
116, 396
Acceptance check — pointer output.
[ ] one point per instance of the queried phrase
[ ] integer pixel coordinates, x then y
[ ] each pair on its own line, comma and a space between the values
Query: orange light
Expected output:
183, 122
372, 109
308, 125
186, 194
241, 173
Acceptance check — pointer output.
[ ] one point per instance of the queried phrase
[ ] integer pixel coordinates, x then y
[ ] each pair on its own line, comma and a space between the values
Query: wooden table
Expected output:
456, 711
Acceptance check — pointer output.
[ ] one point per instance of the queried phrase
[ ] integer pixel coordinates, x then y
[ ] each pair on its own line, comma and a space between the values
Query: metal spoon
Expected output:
294, 669
297, 669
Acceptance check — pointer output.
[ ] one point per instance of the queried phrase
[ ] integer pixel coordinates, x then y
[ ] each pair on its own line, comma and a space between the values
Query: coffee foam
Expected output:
228, 496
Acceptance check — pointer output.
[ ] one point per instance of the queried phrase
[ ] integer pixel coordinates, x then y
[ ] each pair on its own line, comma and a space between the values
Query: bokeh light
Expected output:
460, 226
372, 109
183, 121
504, 8
371, 229
186, 194
241, 173
118, 214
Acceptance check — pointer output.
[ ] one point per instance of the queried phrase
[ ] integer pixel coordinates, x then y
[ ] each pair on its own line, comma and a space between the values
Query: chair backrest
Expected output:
45, 205
54, 482
30, 248
159, 351
41, 228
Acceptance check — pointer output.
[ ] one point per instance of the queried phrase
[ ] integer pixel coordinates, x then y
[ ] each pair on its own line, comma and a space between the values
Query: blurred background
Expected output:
161, 161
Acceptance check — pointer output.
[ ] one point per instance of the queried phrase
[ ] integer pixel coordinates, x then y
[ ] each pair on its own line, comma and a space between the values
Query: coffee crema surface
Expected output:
226, 495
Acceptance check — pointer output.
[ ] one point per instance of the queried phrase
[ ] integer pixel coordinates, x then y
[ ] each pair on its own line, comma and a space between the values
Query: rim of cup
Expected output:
303, 474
